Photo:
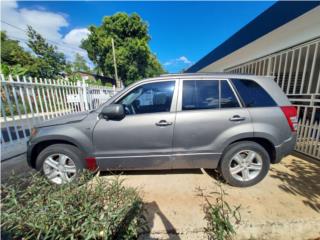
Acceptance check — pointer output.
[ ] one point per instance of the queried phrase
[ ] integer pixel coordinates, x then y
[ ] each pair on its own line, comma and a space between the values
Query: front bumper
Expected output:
29, 151
285, 148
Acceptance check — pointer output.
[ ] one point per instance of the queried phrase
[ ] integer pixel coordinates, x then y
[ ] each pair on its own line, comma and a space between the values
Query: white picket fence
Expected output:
26, 101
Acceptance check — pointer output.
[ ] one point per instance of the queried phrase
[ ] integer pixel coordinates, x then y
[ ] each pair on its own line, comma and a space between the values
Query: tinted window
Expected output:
149, 98
202, 94
228, 99
253, 94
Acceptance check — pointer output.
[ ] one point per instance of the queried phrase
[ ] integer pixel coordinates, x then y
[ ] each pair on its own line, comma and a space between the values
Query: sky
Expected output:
181, 32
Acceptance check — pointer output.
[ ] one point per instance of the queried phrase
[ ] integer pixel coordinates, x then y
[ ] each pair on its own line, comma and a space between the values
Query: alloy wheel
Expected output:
59, 168
245, 165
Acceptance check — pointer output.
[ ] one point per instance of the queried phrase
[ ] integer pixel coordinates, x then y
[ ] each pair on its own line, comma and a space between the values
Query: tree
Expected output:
79, 64
14, 69
133, 55
13, 54
49, 62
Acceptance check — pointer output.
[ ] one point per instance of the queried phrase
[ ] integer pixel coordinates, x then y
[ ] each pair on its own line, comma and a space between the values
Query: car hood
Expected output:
70, 118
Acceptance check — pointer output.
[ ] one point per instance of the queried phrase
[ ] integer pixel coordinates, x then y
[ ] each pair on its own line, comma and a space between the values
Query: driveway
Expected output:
285, 205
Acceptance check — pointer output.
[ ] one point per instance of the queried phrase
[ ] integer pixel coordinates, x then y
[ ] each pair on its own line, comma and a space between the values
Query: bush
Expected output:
220, 216
102, 209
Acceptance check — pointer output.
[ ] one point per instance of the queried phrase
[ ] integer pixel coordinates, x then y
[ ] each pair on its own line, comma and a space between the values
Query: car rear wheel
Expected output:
60, 163
244, 164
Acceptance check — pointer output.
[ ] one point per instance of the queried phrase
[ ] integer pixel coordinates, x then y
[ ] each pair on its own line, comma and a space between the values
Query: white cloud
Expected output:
184, 60
48, 24
178, 61
75, 36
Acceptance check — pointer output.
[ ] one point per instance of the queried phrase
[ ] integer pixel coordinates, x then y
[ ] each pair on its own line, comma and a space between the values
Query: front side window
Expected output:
252, 94
200, 94
149, 98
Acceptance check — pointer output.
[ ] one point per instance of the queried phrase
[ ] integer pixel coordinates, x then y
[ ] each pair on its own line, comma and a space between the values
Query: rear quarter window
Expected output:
252, 94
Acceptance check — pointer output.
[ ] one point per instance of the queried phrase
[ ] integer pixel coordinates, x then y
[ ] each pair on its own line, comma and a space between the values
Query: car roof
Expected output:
267, 82
197, 76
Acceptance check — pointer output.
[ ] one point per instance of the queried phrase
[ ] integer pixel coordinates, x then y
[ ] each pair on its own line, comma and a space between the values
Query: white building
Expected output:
283, 42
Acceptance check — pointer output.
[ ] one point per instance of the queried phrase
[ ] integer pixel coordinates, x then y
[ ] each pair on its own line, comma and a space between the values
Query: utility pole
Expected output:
115, 64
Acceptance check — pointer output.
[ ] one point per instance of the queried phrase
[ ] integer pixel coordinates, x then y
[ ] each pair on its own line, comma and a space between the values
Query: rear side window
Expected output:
228, 99
202, 94
252, 94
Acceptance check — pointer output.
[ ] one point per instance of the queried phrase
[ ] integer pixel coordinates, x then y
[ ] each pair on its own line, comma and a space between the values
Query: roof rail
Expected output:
201, 74
196, 73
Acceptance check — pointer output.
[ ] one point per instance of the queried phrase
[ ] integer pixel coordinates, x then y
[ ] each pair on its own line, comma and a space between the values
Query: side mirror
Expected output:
113, 112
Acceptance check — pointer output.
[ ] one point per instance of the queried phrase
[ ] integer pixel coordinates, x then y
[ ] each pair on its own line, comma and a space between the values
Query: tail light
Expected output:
91, 163
291, 115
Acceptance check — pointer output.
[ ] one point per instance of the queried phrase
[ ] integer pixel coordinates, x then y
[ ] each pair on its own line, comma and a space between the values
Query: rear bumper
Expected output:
285, 148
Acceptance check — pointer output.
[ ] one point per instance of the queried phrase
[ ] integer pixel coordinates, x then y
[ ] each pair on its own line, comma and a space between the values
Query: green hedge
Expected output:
100, 209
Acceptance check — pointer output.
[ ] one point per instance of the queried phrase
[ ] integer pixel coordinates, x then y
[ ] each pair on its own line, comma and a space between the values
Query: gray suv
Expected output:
236, 123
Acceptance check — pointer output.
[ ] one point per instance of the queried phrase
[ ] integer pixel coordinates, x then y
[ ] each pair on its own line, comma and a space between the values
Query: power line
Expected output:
26, 41
11, 25
16, 27
54, 42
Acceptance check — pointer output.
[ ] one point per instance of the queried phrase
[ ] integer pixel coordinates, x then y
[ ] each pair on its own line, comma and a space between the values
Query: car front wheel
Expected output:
244, 164
60, 163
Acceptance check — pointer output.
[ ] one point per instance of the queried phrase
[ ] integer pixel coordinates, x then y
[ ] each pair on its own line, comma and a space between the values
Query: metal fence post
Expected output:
84, 91
114, 89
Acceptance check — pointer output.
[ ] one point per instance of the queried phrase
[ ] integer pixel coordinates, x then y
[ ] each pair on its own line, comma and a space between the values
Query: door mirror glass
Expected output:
113, 112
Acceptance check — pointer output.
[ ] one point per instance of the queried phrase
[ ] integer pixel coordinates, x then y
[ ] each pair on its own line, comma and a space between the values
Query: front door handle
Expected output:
236, 118
163, 123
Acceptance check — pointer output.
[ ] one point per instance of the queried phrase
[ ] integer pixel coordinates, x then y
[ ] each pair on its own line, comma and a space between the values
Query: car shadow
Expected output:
215, 174
151, 172
152, 209
303, 178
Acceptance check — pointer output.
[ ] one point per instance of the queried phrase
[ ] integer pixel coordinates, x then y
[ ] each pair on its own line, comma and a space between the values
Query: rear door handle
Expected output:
236, 118
163, 123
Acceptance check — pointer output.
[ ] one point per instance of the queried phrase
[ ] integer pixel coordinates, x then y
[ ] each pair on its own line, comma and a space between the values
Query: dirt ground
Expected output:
285, 205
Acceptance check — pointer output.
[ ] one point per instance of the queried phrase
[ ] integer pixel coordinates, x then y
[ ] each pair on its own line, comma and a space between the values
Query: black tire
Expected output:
232, 150
69, 150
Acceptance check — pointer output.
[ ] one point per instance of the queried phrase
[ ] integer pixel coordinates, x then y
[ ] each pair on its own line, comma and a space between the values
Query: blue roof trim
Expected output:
277, 15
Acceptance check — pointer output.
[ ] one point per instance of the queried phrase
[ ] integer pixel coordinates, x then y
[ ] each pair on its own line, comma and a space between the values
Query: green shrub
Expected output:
220, 216
100, 209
